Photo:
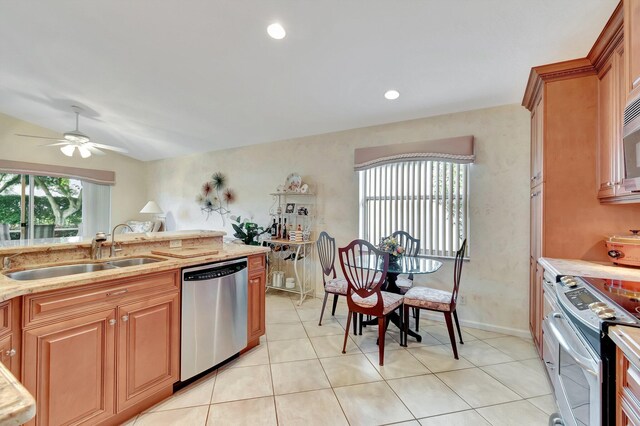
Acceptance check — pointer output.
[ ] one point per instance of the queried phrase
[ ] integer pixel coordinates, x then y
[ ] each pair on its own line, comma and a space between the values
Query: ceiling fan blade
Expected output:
94, 150
109, 147
37, 137
57, 144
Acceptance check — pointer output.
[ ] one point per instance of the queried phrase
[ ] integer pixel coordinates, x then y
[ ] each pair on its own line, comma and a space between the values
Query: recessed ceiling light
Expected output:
391, 94
276, 31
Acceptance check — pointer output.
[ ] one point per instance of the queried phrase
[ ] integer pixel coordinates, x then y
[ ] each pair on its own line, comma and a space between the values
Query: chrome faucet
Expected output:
6, 261
96, 245
114, 249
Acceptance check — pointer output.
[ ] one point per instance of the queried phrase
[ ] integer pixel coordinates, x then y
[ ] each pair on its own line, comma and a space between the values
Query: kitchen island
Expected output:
111, 337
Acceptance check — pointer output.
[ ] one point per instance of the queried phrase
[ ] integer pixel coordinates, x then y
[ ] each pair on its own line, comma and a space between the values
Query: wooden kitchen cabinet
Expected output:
627, 391
537, 142
256, 323
148, 348
632, 48
10, 335
69, 368
92, 353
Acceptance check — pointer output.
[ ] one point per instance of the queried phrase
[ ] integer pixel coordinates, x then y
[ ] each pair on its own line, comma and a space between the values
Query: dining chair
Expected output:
332, 284
359, 261
433, 299
412, 248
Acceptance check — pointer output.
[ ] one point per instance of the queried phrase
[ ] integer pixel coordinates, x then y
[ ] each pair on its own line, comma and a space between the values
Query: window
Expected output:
427, 199
37, 206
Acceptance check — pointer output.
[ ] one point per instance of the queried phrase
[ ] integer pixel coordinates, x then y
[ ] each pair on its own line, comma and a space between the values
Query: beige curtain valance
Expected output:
102, 177
457, 150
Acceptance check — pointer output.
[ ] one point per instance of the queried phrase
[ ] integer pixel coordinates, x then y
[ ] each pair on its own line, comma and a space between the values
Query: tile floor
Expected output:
298, 376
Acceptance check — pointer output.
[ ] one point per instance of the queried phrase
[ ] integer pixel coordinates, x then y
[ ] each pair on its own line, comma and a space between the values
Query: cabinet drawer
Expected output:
256, 263
44, 307
632, 381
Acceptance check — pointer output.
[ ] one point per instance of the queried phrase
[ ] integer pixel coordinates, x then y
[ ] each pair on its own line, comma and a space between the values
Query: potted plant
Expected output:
247, 231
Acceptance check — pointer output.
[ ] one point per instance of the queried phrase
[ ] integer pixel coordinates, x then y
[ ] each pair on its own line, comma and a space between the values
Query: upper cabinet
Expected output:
632, 47
537, 142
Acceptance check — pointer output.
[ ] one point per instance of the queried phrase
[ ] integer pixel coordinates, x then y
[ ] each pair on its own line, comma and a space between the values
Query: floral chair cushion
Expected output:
336, 286
390, 301
428, 298
404, 284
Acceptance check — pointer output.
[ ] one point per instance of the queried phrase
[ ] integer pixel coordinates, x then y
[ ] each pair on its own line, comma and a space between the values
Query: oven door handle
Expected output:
582, 361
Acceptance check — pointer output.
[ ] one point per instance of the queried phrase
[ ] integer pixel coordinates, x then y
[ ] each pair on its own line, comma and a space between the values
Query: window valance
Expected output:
101, 177
456, 150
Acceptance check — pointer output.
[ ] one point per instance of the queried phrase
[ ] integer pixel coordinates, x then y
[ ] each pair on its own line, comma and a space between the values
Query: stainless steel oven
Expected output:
575, 371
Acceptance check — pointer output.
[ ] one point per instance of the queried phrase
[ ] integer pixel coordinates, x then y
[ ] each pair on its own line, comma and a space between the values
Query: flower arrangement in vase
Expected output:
215, 197
392, 246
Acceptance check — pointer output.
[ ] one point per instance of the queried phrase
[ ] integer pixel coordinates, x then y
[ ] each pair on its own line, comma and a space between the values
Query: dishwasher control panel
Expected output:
214, 272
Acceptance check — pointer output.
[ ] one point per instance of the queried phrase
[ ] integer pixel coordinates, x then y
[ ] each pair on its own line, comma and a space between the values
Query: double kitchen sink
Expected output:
79, 268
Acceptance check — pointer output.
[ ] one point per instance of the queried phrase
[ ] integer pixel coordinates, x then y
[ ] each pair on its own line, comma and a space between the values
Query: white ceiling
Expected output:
170, 77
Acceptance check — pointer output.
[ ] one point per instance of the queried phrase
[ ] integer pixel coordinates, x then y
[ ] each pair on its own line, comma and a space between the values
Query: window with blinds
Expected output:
427, 199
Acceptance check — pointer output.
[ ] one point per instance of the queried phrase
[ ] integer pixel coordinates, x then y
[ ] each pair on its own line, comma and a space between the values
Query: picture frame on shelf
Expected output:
291, 208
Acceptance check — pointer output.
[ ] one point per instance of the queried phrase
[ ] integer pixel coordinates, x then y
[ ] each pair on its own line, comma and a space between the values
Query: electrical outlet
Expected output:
462, 301
175, 243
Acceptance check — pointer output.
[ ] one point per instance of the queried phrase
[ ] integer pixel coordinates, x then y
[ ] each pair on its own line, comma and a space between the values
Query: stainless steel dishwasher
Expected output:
214, 315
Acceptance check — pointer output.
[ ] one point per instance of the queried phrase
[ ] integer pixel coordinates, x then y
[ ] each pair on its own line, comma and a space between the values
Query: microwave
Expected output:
631, 145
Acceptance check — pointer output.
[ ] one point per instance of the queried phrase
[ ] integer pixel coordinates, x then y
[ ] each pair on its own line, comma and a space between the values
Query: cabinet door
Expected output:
148, 348
607, 107
536, 213
632, 47
9, 354
620, 100
539, 306
69, 367
537, 142
256, 320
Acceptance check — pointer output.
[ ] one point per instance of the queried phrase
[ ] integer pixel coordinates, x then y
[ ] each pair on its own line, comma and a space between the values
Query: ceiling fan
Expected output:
75, 139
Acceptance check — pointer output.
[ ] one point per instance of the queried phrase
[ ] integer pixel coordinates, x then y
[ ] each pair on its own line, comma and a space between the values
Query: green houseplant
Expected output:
247, 231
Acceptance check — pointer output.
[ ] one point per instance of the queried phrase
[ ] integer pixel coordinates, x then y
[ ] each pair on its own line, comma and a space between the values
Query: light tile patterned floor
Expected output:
298, 376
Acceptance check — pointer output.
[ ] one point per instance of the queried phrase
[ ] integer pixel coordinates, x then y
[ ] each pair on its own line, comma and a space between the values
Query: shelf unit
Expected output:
293, 258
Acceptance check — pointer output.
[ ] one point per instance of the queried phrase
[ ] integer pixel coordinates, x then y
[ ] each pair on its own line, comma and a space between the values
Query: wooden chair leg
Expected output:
355, 324
324, 303
452, 335
455, 318
381, 329
405, 325
416, 315
361, 321
346, 333
335, 304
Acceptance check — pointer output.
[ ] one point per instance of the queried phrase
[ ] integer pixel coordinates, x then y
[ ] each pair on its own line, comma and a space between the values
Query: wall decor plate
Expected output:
293, 182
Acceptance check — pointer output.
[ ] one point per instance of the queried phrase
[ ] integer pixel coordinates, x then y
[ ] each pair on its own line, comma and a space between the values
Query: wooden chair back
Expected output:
457, 272
410, 244
358, 260
327, 253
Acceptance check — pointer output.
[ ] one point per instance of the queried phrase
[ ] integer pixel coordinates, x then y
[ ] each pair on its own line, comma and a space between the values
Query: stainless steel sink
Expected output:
58, 271
133, 261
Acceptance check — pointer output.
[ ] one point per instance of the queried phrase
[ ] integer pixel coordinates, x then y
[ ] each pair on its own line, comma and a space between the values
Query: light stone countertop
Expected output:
17, 406
12, 288
585, 268
54, 244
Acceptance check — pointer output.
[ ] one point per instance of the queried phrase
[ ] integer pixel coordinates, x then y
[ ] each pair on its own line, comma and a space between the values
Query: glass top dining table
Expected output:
404, 265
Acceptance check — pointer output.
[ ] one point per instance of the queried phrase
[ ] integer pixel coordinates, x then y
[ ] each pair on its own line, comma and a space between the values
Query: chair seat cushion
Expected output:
404, 284
428, 298
336, 286
390, 301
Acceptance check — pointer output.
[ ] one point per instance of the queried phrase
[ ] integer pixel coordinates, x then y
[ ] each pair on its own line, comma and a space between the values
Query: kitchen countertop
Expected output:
585, 268
12, 288
627, 339
17, 406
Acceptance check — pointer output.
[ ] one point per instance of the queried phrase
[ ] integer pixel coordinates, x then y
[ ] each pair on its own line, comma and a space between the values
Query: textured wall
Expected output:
128, 195
495, 280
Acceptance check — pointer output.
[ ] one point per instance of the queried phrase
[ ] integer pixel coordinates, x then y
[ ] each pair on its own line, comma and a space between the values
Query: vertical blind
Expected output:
427, 199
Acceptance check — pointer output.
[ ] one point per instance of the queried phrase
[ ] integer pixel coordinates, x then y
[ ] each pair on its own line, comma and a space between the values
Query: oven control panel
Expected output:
585, 303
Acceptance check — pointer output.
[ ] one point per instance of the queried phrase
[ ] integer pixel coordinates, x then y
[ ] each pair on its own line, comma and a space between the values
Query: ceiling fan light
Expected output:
84, 152
68, 150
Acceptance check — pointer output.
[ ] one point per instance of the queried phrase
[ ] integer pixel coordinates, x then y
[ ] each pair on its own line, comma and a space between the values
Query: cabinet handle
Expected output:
117, 293
636, 81
533, 178
10, 353
125, 318
609, 184
112, 322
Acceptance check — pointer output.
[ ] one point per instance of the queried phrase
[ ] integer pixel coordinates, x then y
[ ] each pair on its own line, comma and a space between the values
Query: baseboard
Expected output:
437, 316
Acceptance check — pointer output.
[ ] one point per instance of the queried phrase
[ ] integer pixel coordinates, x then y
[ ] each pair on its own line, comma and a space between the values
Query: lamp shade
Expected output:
151, 207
